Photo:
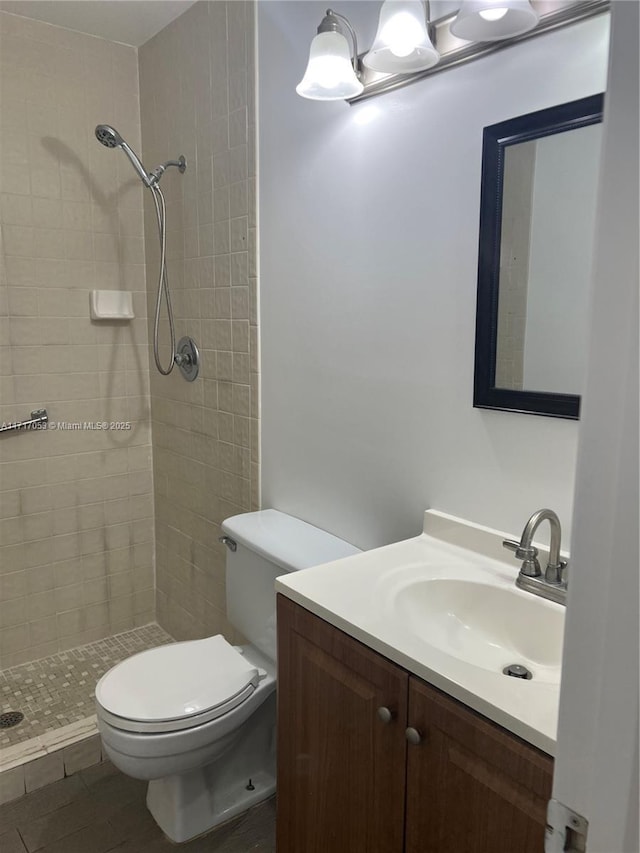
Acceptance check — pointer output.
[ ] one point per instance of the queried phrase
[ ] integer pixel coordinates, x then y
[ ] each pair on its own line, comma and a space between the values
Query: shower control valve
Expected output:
187, 358
182, 358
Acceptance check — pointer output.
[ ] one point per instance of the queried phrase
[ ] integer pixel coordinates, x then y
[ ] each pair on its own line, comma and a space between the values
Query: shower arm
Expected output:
158, 172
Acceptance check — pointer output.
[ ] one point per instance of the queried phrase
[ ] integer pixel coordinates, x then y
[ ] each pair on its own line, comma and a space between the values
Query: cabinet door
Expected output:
471, 786
341, 769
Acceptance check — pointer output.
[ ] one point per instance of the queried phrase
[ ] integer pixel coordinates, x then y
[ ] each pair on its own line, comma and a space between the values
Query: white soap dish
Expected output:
111, 305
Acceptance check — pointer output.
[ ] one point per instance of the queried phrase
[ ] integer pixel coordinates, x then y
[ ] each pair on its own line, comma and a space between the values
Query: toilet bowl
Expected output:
207, 758
197, 718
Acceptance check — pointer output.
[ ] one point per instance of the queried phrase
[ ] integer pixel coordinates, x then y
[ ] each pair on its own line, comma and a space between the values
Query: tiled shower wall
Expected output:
197, 99
76, 518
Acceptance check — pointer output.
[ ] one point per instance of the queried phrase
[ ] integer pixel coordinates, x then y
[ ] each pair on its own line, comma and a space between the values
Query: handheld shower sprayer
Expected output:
110, 138
186, 355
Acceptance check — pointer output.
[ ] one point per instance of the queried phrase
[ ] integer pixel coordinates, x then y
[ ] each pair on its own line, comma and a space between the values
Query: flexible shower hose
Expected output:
163, 283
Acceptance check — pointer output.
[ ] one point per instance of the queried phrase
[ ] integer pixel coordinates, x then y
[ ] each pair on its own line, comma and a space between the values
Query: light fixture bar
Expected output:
454, 51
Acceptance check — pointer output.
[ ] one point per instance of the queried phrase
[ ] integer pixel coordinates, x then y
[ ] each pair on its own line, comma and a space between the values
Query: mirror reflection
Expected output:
548, 221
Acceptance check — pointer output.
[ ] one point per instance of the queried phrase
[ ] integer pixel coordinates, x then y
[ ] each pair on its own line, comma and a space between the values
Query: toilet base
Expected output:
184, 809
188, 804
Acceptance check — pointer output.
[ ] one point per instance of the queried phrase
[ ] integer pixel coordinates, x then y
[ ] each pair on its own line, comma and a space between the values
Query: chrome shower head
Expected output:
110, 138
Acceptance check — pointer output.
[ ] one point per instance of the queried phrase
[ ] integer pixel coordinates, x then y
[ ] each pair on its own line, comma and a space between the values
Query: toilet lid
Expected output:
176, 686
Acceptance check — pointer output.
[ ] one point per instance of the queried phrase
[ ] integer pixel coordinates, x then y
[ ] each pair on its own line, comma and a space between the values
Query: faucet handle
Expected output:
510, 544
521, 553
556, 574
529, 557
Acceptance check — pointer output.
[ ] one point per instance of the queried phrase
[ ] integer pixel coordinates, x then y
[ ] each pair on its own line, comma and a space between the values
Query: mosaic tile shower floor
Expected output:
58, 690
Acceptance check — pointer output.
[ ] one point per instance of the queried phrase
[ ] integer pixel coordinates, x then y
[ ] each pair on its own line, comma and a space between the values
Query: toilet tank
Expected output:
270, 543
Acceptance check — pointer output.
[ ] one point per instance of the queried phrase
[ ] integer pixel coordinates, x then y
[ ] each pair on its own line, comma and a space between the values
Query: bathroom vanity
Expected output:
350, 781
392, 739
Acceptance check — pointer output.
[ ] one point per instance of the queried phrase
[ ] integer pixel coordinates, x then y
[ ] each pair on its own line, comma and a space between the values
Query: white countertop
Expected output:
357, 595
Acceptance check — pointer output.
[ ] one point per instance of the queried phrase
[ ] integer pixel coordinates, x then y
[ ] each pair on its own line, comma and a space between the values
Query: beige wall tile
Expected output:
78, 506
72, 220
202, 465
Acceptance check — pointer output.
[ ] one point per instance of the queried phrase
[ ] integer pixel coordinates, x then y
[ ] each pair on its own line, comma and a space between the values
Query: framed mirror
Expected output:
537, 220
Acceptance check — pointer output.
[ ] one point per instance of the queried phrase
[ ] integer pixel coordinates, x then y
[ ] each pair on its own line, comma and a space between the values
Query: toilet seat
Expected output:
175, 687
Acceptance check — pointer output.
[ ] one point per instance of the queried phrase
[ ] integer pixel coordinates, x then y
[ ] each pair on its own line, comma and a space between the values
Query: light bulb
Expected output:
402, 33
493, 20
327, 71
493, 14
402, 44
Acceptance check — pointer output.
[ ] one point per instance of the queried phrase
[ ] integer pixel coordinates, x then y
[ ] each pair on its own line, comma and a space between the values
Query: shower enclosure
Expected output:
110, 511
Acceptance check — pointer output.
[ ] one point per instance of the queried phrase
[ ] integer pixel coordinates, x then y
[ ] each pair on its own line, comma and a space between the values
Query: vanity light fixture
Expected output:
493, 20
332, 71
409, 45
403, 43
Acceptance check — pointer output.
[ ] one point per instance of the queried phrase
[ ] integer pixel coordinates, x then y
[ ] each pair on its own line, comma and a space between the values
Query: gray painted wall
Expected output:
368, 256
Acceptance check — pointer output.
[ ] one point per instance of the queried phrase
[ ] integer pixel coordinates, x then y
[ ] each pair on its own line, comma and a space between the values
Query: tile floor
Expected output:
99, 810
58, 690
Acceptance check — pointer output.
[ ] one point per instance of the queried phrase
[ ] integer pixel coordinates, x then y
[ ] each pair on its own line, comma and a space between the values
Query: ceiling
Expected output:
127, 21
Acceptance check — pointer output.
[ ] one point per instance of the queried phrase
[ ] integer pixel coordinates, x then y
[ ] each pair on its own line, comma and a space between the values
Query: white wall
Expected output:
562, 231
368, 254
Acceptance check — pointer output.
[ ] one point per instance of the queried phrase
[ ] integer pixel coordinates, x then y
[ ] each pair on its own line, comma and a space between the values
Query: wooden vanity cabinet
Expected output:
341, 770
348, 780
471, 785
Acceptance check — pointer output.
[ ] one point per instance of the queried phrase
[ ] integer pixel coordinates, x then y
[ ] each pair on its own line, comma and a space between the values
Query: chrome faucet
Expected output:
553, 585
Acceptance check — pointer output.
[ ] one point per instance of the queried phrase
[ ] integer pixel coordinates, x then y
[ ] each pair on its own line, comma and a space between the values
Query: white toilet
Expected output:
197, 719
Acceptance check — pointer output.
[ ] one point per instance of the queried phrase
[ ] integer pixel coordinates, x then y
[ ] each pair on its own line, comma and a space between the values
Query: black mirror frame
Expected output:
495, 140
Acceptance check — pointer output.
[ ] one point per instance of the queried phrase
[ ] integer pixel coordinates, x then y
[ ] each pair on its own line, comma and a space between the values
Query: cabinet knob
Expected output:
385, 714
413, 736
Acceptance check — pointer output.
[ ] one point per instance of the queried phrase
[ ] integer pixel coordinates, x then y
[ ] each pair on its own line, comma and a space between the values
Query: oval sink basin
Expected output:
485, 625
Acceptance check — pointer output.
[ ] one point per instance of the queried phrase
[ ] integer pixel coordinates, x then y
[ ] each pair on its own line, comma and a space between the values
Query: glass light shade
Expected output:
402, 43
329, 75
492, 20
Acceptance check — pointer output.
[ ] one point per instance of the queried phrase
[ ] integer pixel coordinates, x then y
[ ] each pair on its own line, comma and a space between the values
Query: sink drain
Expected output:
10, 719
516, 670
